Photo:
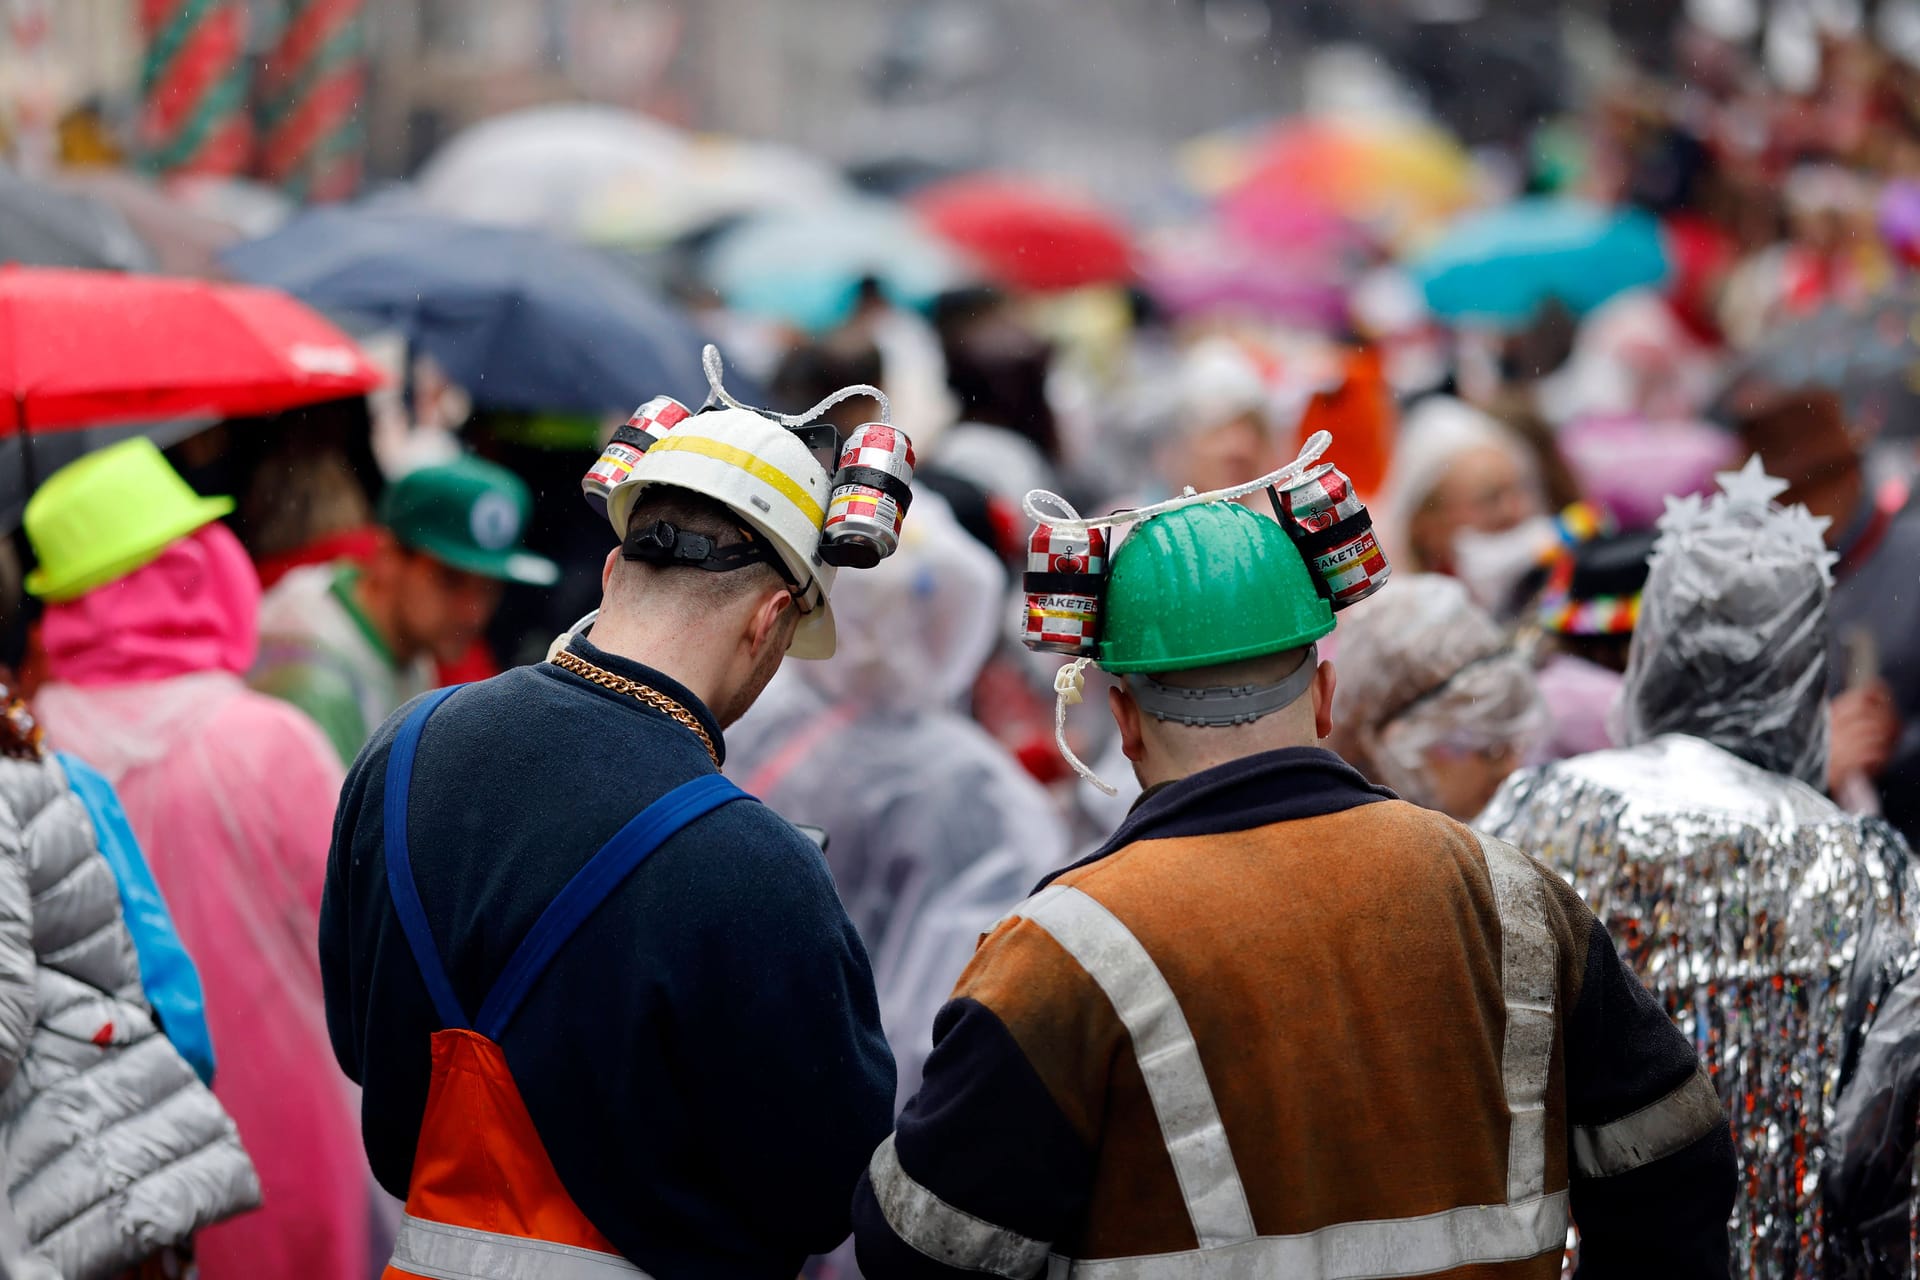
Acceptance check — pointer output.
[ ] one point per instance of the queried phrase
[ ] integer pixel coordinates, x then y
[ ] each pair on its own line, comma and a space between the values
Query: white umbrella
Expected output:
542, 167
253, 208
723, 178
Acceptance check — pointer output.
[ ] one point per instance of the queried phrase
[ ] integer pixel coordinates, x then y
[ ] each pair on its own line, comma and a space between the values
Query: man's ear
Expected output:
768, 625
1126, 717
1323, 682
606, 570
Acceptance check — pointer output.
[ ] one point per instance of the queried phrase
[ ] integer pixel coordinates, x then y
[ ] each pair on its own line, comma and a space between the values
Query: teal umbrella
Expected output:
804, 266
1503, 265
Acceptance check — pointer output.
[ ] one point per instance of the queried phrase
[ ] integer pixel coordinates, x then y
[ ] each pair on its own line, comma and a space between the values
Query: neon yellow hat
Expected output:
99, 518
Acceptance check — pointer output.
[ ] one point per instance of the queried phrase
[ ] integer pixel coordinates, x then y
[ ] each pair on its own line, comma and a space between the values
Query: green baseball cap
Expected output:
469, 514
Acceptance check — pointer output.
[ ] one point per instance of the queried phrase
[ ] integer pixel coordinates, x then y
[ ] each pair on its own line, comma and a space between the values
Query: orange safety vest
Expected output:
484, 1201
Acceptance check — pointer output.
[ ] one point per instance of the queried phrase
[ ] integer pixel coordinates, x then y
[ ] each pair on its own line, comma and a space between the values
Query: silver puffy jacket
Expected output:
113, 1148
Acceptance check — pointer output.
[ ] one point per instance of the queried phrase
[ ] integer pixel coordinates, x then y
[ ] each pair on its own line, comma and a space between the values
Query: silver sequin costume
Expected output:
1770, 922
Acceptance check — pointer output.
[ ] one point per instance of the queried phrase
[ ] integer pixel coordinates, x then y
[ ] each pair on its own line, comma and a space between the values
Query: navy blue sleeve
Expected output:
1668, 1204
984, 1137
804, 1088
343, 992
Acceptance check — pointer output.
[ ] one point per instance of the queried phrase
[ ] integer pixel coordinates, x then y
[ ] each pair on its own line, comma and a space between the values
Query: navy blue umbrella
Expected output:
521, 320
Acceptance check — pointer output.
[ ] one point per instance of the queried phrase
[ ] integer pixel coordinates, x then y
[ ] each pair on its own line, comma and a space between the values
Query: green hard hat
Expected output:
1204, 585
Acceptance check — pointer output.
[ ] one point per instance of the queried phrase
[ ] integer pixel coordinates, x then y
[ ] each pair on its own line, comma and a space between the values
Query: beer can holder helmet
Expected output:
857, 491
1071, 573
871, 470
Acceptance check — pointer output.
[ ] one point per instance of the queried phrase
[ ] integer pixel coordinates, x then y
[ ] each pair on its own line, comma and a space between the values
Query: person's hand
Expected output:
1865, 728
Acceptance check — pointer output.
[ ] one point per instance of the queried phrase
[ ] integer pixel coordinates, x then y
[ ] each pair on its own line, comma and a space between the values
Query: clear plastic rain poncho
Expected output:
934, 830
1421, 667
1731, 645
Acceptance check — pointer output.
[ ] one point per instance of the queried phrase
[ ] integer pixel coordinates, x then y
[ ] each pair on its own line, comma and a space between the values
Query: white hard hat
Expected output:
766, 477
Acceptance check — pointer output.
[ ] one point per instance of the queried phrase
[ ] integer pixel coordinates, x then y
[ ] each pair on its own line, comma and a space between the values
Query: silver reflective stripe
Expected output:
442, 1252
1169, 1059
1529, 977
1651, 1133
940, 1231
1359, 1250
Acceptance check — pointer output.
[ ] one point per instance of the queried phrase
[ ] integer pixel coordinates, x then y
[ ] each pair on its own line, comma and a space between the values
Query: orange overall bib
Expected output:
484, 1201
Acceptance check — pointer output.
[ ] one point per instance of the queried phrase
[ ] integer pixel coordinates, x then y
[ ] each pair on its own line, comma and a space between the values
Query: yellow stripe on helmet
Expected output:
758, 468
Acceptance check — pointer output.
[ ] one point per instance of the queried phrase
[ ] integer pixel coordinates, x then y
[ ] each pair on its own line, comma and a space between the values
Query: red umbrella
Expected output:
84, 348
1026, 235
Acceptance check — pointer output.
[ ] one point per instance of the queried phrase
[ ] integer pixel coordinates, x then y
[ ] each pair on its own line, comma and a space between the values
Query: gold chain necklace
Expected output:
634, 689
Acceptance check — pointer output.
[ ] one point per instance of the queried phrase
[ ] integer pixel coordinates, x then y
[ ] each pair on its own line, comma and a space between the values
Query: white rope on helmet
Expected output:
715, 370
1069, 682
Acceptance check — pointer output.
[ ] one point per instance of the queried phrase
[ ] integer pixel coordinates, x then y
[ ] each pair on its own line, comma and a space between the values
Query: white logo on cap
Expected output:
495, 521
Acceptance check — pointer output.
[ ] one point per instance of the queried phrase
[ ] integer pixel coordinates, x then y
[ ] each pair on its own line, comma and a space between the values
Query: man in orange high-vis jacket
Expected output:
608, 1015
1283, 1024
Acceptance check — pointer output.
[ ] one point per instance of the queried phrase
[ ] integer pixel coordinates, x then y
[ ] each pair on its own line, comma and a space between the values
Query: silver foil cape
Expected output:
1742, 899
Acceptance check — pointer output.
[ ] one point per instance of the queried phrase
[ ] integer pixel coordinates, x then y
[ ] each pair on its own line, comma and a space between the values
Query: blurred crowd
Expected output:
1529, 360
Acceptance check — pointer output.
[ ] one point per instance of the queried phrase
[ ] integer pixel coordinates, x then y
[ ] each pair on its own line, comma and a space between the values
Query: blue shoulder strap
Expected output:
406, 896
591, 885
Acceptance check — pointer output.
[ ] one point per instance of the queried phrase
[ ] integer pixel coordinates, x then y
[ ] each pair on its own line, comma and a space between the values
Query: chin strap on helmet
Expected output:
661, 543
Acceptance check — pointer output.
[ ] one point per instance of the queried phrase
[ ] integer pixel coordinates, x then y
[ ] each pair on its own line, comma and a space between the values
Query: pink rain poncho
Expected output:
232, 795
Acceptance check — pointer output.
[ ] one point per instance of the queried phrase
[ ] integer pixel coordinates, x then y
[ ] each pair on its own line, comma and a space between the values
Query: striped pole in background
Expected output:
193, 87
313, 139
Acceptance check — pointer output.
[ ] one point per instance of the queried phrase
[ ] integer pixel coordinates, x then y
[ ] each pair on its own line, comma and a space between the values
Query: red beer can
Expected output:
631, 439
1065, 579
1334, 532
871, 492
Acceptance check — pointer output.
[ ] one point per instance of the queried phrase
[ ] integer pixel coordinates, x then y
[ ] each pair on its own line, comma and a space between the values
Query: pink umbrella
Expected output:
1212, 274
1630, 466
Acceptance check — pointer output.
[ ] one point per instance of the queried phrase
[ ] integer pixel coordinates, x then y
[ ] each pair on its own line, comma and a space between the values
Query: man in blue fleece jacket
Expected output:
702, 1059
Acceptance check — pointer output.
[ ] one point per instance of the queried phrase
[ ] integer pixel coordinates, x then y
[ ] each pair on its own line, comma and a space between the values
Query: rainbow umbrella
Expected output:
1398, 178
